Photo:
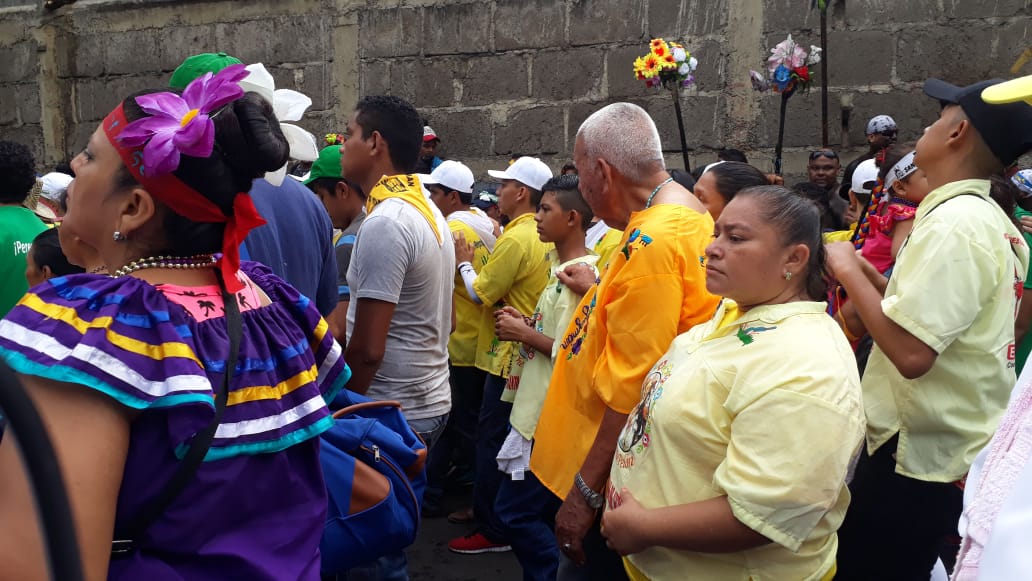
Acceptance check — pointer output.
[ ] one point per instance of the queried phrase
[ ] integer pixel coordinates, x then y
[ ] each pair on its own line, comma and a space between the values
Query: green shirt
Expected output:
18, 227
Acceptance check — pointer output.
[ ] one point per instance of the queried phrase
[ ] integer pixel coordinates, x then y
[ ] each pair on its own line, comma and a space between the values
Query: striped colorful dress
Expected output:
256, 507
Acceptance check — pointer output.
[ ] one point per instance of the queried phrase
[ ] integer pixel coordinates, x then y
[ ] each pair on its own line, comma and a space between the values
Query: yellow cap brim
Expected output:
1009, 92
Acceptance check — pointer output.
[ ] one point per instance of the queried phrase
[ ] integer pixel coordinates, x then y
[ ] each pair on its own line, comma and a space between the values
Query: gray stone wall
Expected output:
501, 76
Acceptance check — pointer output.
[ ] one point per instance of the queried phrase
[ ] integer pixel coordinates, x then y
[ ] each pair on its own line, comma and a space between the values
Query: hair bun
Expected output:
264, 147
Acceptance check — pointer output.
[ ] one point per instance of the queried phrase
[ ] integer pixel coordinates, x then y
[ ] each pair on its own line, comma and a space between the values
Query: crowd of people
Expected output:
643, 373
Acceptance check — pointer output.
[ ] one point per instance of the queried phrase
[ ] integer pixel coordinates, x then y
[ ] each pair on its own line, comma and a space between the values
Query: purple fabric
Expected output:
257, 510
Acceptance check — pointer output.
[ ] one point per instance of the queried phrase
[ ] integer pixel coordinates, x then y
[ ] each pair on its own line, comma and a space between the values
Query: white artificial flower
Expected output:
685, 69
288, 105
680, 54
693, 63
815, 55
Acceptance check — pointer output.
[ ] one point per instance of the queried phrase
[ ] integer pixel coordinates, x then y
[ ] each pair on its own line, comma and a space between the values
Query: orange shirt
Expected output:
653, 290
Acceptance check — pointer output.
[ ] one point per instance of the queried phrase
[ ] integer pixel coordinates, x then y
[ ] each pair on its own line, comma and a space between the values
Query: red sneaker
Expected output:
476, 543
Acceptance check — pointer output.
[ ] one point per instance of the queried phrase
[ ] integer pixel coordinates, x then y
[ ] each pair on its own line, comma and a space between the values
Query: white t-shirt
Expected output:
398, 259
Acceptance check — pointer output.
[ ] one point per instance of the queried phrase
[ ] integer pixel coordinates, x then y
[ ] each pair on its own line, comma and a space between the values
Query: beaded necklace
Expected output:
176, 262
648, 203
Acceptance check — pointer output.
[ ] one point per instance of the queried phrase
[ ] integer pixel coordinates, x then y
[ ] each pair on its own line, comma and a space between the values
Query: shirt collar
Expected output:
951, 190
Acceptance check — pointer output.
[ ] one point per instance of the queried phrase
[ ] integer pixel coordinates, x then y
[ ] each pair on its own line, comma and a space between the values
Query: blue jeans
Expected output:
527, 512
492, 426
430, 429
394, 566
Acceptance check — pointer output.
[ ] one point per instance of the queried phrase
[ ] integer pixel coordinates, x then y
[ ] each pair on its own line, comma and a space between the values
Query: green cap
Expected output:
327, 166
199, 64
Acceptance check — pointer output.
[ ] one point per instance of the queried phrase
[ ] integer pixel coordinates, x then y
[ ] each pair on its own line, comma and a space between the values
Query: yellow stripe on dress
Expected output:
264, 392
321, 328
69, 316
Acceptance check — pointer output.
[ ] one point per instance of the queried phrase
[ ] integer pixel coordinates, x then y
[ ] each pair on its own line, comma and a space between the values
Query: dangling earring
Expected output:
788, 276
119, 237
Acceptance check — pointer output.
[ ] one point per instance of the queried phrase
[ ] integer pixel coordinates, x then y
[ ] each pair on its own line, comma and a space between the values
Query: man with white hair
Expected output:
653, 290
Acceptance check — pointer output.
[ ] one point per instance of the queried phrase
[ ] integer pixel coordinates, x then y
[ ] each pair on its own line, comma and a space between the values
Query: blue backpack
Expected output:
374, 467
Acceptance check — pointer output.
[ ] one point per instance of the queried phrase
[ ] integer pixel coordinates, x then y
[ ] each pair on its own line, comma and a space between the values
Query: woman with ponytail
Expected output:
183, 361
725, 469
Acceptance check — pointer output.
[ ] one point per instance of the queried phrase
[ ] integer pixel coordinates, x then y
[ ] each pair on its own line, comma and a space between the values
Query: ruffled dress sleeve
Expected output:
126, 339
106, 334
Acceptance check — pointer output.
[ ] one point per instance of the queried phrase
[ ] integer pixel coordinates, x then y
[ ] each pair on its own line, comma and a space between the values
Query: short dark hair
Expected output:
734, 176
1003, 191
17, 172
330, 185
729, 154
567, 193
46, 251
797, 221
397, 121
568, 167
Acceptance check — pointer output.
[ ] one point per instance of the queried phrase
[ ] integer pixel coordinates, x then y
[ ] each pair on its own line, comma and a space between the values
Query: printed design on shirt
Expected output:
636, 241
746, 334
574, 340
523, 354
637, 432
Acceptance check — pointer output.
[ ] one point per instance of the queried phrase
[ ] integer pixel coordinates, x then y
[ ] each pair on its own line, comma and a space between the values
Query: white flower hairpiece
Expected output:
288, 105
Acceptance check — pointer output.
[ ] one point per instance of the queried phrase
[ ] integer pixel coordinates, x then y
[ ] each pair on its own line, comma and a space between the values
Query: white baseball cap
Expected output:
429, 134
865, 177
881, 124
529, 171
55, 184
452, 175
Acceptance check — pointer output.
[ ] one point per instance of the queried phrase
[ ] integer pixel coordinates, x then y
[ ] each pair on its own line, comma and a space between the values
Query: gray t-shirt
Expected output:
397, 259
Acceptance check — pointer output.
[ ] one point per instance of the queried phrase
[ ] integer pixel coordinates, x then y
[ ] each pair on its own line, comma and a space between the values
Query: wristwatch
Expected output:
594, 499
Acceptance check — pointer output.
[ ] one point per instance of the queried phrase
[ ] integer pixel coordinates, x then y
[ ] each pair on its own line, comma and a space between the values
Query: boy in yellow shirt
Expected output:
514, 275
526, 509
942, 368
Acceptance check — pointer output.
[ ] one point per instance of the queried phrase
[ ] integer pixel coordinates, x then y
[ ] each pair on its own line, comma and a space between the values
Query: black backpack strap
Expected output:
126, 543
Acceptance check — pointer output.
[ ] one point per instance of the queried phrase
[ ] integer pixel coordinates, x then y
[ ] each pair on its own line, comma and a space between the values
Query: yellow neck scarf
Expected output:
407, 188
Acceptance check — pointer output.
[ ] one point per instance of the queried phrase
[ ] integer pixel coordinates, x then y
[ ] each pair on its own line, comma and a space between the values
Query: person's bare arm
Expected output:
707, 526
911, 356
575, 517
90, 434
368, 342
338, 322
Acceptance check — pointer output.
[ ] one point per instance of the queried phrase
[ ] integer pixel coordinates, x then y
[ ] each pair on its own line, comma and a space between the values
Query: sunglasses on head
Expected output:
823, 153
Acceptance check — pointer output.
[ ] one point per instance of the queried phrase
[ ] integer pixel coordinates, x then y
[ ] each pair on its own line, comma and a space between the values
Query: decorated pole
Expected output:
788, 69
824, 73
781, 132
670, 65
675, 90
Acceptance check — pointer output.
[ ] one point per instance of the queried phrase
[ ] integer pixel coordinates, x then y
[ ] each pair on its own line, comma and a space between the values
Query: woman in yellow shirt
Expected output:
734, 465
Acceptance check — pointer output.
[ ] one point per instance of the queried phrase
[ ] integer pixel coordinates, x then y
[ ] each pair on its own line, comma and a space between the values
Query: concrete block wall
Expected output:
501, 76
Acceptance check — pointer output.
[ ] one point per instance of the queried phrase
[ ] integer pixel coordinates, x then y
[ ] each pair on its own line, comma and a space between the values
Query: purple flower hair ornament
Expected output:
181, 124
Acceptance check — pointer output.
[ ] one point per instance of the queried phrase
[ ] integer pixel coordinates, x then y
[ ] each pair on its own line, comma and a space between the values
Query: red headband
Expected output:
188, 202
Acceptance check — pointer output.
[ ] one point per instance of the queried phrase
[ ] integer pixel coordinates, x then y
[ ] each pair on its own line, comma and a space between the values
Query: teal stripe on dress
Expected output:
267, 447
63, 373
